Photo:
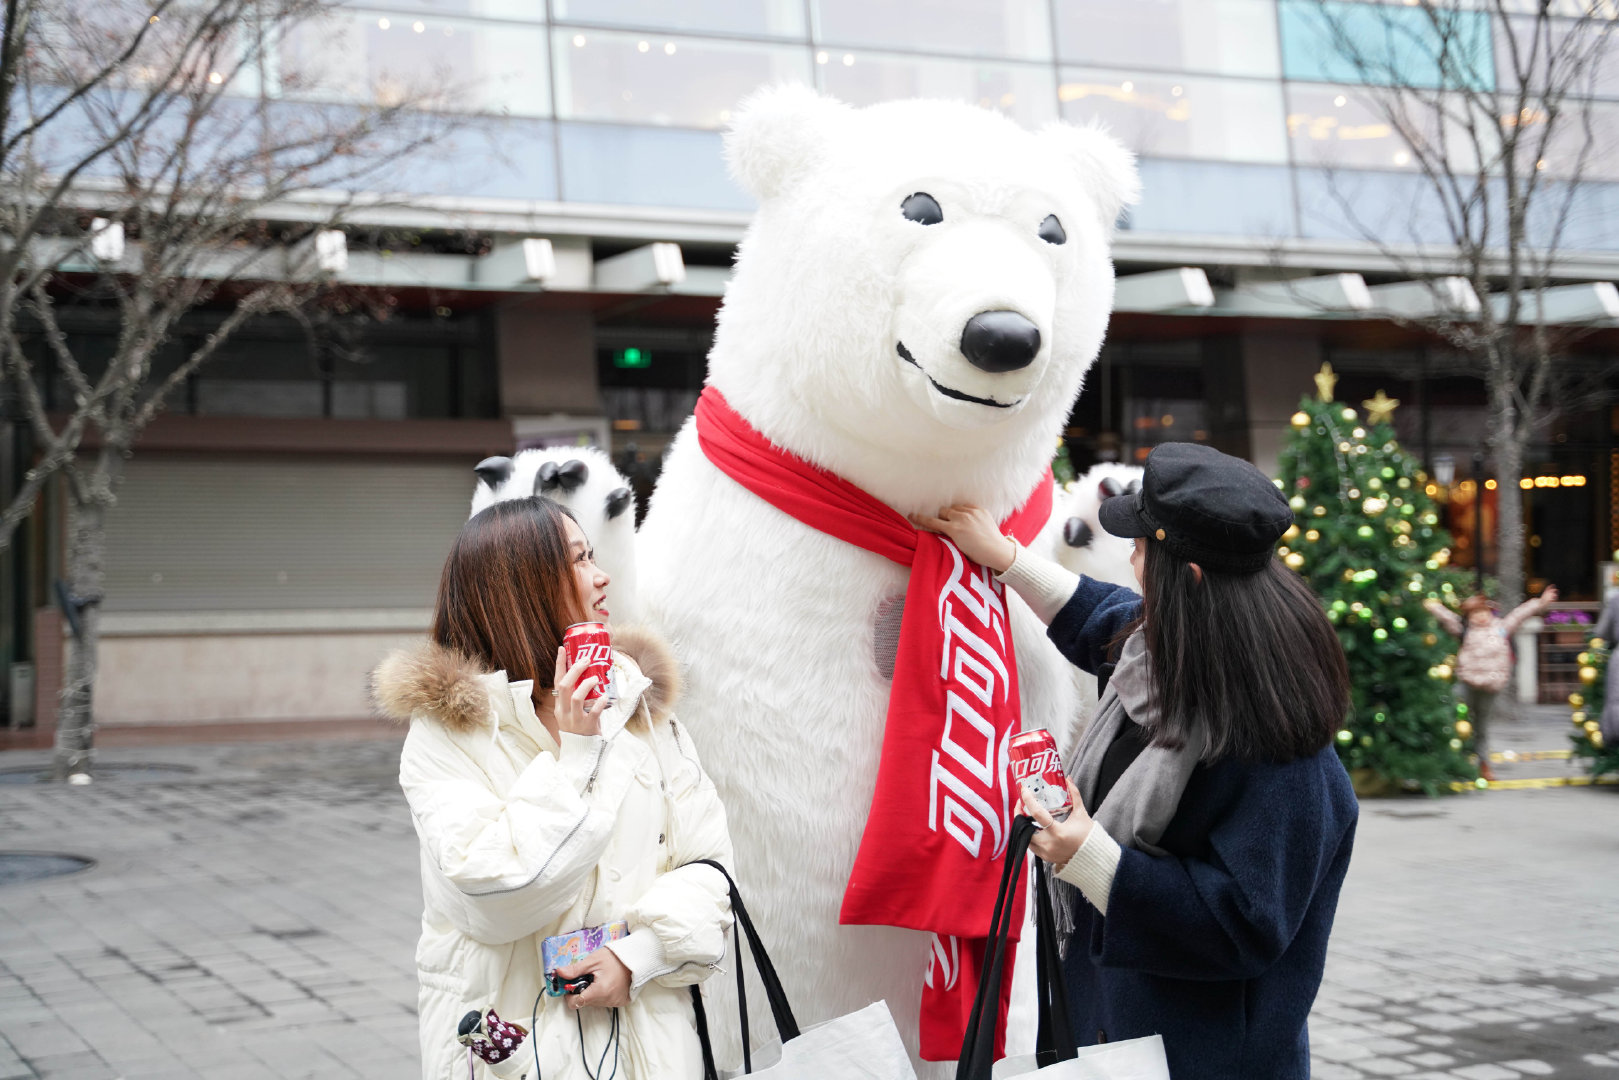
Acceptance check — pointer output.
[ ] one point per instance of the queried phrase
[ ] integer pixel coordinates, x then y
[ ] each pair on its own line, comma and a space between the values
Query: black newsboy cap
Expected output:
1203, 506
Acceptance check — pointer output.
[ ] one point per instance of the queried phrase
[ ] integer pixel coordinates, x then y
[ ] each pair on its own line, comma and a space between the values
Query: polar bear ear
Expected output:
1105, 169
779, 134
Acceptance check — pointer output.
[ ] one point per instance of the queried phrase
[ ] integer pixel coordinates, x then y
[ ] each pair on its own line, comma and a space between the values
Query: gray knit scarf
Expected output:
1144, 799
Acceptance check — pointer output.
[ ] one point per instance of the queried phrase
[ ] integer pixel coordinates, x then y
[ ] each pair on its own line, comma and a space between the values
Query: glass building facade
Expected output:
1241, 110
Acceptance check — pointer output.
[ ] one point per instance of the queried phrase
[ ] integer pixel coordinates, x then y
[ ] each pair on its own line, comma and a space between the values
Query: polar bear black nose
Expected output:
1000, 341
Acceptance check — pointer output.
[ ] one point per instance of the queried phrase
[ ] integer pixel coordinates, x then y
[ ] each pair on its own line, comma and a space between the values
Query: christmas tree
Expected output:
1366, 537
1601, 756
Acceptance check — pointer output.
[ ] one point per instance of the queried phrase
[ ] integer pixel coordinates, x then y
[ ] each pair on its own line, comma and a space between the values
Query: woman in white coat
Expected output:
540, 815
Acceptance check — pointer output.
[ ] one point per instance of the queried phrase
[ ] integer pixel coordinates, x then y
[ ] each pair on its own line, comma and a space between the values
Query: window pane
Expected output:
1383, 207
1161, 116
520, 10
1210, 198
680, 82
642, 166
1590, 51
1022, 91
1228, 37
464, 66
1344, 127
1386, 45
1012, 28
774, 18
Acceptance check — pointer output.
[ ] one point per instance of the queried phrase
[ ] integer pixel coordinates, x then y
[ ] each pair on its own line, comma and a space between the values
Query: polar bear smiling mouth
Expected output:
950, 392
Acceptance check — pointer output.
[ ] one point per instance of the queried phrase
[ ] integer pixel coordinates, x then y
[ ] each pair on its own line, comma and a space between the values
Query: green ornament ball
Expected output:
1380, 634
1364, 532
1345, 736
1400, 623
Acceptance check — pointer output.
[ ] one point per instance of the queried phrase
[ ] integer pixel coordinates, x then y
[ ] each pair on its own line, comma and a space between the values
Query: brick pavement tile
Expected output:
1531, 1067
1385, 1067
1327, 1070
1486, 1072
84, 1065
1431, 1059
1341, 1052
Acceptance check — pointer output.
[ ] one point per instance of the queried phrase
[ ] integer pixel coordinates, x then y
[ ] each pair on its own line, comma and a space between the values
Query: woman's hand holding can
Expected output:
1057, 841
573, 712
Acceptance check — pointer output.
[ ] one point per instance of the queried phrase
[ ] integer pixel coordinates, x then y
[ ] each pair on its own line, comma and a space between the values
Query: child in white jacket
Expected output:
540, 814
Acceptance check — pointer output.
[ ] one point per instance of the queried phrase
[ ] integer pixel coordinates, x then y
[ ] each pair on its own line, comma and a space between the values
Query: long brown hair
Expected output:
507, 593
1249, 658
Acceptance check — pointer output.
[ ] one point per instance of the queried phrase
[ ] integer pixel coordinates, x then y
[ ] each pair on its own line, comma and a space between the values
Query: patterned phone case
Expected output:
564, 949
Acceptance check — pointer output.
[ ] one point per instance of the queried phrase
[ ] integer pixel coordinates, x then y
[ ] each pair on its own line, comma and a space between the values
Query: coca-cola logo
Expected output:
1036, 764
595, 652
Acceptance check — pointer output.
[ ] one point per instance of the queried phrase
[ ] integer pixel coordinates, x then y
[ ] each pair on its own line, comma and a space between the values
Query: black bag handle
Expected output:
780, 1010
1055, 1041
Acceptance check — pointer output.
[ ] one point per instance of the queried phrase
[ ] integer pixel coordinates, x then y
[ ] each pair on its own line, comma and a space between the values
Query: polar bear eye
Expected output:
1051, 230
922, 208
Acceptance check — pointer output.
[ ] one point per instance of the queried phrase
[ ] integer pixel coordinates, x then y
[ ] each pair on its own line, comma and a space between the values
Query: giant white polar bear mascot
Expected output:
884, 235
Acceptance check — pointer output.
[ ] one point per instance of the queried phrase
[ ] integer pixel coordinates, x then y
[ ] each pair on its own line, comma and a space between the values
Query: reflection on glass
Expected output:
1227, 37
1021, 91
1214, 198
642, 166
1341, 126
1162, 116
772, 18
656, 79
519, 10
385, 60
1018, 29
1393, 208
1428, 46
1583, 141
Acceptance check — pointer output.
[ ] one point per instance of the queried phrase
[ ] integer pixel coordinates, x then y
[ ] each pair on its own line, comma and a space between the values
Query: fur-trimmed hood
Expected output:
440, 683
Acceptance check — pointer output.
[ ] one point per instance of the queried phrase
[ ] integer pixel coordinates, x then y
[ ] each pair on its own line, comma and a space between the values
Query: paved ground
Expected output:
256, 918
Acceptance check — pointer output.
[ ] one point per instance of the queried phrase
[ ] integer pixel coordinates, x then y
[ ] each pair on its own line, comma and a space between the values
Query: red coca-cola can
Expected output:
1036, 765
590, 641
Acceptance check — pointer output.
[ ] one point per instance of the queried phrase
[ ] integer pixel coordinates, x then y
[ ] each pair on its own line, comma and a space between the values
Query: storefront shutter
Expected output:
262, 534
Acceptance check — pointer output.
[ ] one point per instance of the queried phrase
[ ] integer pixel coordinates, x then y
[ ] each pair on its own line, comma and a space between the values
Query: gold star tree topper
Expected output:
1326, 382
1380, 409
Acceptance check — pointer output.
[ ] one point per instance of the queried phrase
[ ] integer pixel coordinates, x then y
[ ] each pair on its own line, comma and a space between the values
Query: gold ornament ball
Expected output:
1579, 718
1591, 727
1292, 533
1319, 511
1588, 675
1301, 419
1294, 560
1576, 699
1374, 506
1598, 643
1596, 738
1312, 535
1442, 671
1584, 658
1430, 639
1348, 414
1296, 502
1463, 728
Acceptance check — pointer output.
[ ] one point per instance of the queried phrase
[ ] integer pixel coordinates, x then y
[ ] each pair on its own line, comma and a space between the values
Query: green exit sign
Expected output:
632, 357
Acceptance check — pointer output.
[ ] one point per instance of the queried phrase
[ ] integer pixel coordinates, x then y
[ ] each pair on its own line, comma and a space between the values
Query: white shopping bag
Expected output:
863, 1045
1132, 1059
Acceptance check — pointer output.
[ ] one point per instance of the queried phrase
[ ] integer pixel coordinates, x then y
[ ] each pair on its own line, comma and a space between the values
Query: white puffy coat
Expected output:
523, 839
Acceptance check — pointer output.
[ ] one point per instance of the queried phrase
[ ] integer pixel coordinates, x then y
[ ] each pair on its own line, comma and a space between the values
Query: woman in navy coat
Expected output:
1212, 820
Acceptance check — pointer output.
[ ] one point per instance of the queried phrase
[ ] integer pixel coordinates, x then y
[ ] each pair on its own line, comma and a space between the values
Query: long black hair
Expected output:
1250, 659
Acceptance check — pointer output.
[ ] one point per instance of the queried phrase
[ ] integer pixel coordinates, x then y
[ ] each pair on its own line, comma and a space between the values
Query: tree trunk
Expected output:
1508, 450
86, 573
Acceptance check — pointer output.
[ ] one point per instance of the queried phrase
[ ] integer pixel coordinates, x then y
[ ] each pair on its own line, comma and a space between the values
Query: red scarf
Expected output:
931, 854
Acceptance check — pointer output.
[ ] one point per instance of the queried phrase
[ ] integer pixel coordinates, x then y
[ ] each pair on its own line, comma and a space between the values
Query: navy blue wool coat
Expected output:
1219, 945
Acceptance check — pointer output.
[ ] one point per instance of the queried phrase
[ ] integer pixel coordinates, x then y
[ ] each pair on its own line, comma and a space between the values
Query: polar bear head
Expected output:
1079, 541
584, 480
921, 292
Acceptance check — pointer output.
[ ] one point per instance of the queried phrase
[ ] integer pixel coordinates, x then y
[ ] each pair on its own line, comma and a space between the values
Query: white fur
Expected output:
613, 538
1106, 557
774, 619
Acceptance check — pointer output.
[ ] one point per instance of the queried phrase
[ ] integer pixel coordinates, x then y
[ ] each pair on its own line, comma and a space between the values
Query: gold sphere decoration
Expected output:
1294, 560
1578, 718
1463, 728
1584, 658
1319, 511
1588, 675
1576, 699
1442, 671
1598, 643
1430, 639
1291, 534
1596, 738
1301, 419
1591, 726
1374, 506
1312, 535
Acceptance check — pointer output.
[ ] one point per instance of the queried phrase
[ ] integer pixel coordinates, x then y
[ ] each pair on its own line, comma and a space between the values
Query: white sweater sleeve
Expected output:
1044, 585
1092, 868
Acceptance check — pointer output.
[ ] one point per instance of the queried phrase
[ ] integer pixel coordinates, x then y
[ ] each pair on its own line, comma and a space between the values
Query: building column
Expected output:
1276, 369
